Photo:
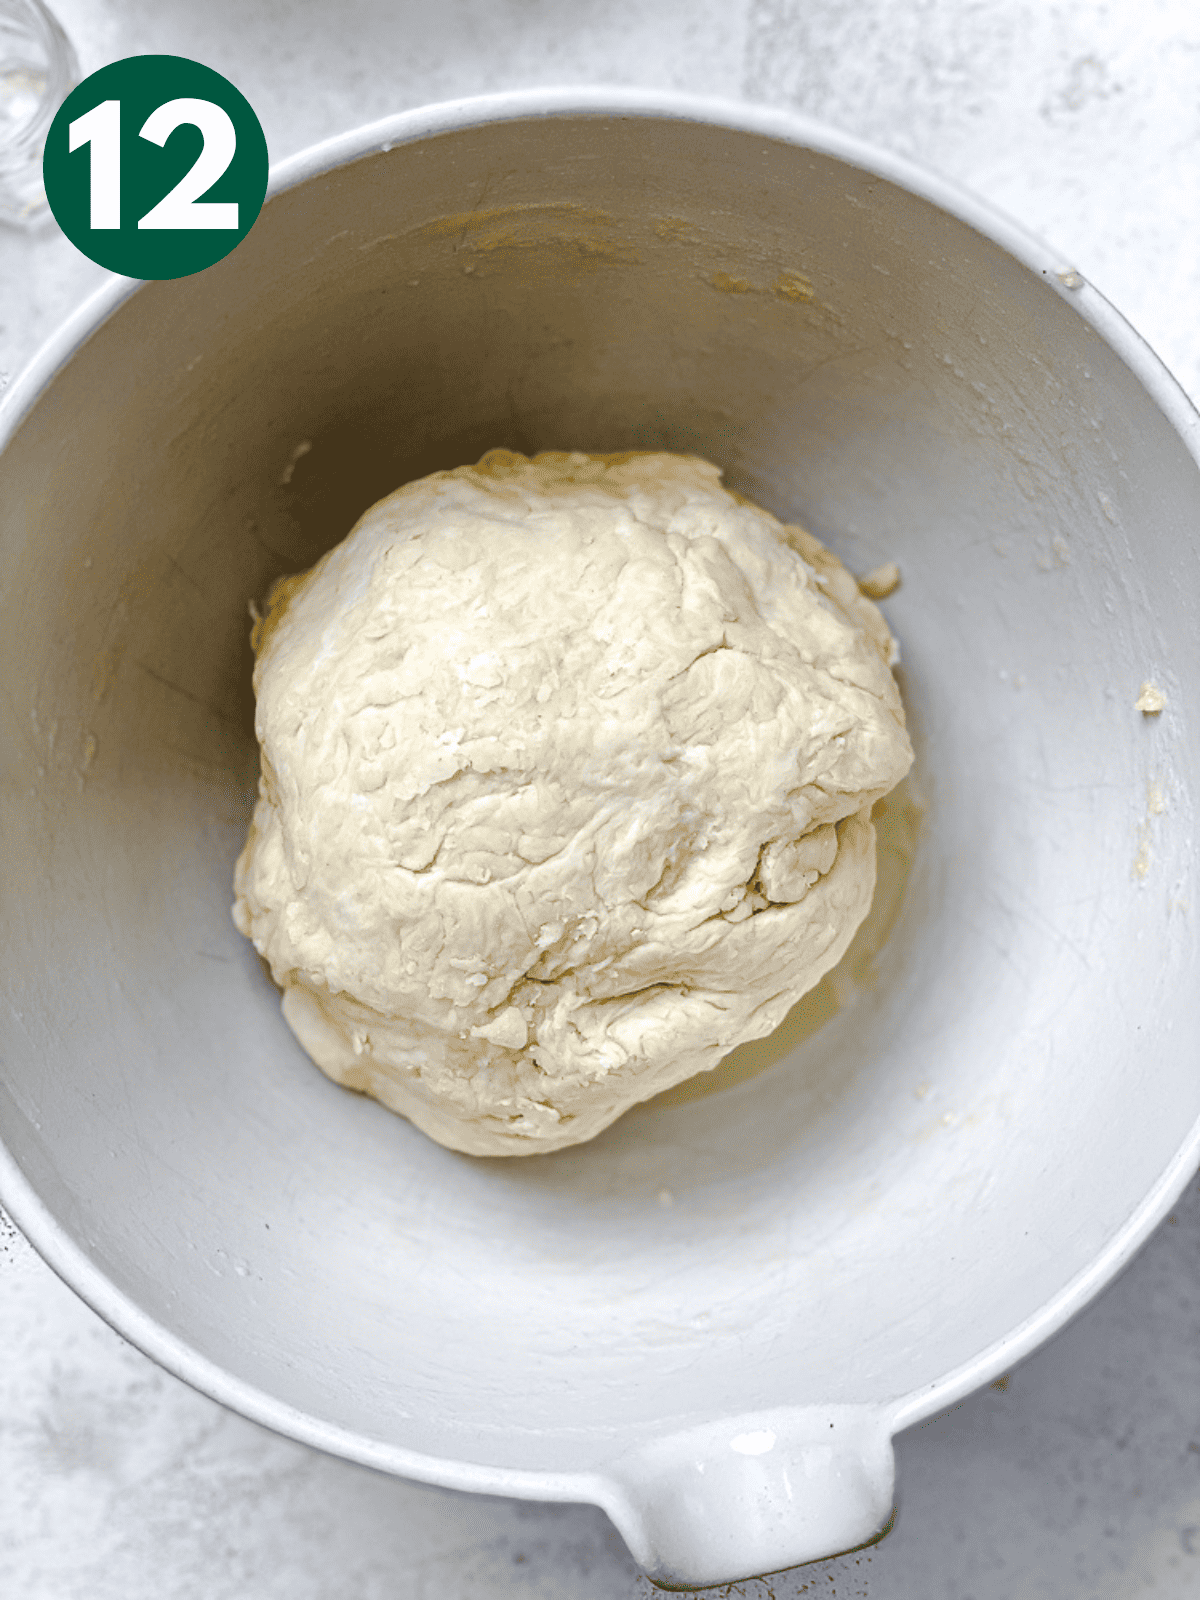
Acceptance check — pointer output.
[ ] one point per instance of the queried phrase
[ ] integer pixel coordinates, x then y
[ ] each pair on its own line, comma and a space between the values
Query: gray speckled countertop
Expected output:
1077, 1477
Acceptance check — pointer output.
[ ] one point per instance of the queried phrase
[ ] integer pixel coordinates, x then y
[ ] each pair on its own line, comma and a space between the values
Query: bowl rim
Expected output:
19, 1199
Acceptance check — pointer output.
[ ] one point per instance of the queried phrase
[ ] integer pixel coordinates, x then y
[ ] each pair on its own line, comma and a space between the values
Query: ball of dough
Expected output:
567, 771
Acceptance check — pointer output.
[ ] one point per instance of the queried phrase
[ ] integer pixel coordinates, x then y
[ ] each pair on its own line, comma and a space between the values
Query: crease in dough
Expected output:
567, 772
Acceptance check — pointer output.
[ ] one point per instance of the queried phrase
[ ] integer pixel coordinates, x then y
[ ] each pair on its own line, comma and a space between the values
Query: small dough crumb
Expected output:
567, 775
880, 581
1151, 700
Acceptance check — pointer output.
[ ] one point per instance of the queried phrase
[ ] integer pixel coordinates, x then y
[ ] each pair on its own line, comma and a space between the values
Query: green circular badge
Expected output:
155, 166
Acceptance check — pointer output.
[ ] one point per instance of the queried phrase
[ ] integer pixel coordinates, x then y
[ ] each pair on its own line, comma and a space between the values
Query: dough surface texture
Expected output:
567, 772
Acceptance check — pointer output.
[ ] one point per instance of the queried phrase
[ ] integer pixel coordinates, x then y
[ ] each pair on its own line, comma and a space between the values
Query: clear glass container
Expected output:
38, 69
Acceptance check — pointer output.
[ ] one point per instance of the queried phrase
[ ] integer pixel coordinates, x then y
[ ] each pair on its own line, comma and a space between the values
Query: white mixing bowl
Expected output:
925, 1188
